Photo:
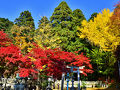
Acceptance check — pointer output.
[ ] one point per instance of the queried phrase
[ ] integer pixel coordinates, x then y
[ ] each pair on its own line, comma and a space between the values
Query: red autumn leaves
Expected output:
51, 61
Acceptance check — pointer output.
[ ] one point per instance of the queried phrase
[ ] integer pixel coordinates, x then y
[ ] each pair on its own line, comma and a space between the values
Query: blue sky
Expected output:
11, 9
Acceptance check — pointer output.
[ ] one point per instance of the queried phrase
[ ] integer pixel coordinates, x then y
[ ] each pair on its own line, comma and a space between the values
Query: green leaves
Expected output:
25, 19
104, 61
61, 13
5, 25
43, 22
93, 16
78, 17
64, 23
45, 38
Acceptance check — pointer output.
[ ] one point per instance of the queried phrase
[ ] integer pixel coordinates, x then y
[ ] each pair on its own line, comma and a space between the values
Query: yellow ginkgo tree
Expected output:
98, 31
45, 38
104, 32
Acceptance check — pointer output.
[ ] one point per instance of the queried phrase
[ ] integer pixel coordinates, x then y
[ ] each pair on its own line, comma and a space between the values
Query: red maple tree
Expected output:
9, 55
53, 62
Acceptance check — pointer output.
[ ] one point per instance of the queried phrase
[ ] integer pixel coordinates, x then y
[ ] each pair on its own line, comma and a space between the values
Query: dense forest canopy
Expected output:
59, 38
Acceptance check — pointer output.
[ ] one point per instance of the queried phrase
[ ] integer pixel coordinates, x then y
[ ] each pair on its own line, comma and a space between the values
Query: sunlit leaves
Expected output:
25, 19
97, 31
45, 38
22, 37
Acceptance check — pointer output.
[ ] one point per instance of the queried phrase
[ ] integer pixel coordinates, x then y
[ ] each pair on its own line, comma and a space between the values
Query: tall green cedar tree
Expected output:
78, 17
25, 19
63, 22
76, 43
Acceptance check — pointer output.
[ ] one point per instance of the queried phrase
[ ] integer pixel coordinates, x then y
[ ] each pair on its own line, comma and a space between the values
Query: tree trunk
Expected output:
117, 64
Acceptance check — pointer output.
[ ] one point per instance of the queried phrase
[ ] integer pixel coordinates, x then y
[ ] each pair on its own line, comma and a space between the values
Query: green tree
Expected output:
76, 43
45, 39
103, 63
25, 19
64, 23
5, 25
61, 13
44, 36
43, 22
93, 16
61, 21
78, 17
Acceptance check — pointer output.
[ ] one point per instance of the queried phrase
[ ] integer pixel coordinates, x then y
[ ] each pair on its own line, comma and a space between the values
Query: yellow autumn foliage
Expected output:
22, 37
99, 33
45, 38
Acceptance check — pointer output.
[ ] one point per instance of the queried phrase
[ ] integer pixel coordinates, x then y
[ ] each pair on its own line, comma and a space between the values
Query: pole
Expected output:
78, 72
62, 82
72, 88
67, 81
